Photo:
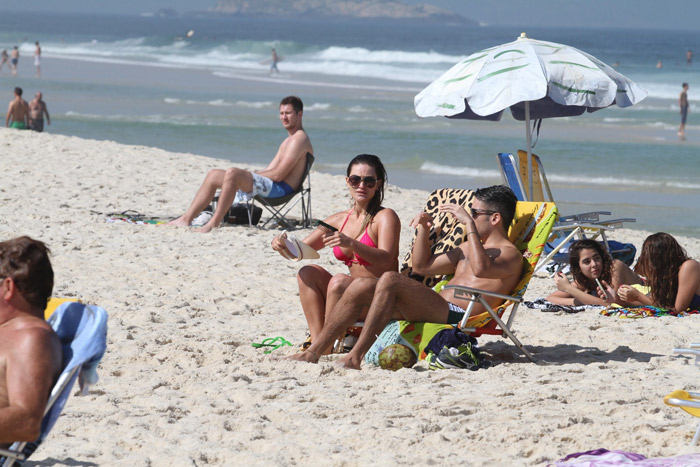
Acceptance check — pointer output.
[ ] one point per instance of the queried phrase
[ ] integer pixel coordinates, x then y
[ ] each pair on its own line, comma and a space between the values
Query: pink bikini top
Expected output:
365, 239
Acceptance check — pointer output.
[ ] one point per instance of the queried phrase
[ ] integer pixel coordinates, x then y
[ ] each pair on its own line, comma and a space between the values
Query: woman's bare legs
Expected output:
336, 287
313, 284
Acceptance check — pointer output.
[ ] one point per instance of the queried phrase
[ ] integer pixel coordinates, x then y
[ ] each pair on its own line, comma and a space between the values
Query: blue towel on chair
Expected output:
83, 333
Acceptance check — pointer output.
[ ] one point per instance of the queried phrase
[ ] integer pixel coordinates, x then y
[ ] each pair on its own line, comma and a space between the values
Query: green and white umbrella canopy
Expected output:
557, 81
534, 79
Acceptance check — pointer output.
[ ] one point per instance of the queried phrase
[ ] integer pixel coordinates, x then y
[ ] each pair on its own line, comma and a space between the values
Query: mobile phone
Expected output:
327, 226
602, 288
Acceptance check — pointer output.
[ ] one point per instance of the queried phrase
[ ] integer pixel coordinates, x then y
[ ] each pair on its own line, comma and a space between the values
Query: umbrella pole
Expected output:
529, 149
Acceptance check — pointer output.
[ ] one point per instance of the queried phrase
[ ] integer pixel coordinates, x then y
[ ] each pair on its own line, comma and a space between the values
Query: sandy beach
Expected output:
181, 384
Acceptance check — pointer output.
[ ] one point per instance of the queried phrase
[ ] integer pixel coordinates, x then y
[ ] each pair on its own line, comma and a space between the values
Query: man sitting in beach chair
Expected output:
487, 261
282, 176
30, 351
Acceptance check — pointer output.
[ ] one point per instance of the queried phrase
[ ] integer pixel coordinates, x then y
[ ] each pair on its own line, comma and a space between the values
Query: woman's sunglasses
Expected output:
355, 181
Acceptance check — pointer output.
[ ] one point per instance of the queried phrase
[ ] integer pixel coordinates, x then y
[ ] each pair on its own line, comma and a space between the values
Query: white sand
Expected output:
181, 385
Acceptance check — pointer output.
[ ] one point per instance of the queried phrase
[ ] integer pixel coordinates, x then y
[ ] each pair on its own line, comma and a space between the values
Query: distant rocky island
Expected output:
341, 9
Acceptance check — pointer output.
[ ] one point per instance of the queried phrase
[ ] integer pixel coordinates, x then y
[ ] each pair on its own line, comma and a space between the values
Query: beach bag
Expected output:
415, 336
238, 214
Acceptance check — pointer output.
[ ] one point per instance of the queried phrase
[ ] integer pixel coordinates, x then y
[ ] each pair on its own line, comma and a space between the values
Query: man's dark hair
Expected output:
27, 262
18, 91
501, 199
684, 85
294, 101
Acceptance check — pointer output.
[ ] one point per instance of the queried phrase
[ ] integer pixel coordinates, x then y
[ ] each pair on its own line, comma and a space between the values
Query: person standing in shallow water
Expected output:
275, 59
684, 108
37, 59
37, 110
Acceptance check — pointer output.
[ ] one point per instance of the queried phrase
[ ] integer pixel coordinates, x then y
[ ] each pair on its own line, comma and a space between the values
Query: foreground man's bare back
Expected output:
30, 361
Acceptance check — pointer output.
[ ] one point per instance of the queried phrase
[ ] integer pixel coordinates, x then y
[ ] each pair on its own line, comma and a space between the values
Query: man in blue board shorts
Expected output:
279, 178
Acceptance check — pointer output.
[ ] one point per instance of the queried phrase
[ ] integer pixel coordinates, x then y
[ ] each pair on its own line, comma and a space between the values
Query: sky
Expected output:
647, 14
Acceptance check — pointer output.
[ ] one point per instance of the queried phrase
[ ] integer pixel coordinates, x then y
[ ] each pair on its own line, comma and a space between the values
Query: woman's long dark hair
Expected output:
574, 263
659, 262
375, 203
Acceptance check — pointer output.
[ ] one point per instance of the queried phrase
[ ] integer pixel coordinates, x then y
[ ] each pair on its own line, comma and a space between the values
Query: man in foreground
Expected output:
37, 110
487, 261
30, 352
17, 112
281, 177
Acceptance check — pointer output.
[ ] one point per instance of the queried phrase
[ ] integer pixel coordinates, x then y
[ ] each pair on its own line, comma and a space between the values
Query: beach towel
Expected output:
542, 304
645, 312
605, 458
135, 217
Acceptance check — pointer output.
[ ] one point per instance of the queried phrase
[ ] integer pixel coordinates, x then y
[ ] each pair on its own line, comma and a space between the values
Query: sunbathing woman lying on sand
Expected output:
590, 262
366, 239
674, 278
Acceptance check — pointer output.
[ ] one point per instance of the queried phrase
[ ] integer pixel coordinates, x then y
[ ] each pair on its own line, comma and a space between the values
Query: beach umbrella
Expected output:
534, 79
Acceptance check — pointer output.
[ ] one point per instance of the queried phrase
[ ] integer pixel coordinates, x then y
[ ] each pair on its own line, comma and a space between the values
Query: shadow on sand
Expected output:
561, 354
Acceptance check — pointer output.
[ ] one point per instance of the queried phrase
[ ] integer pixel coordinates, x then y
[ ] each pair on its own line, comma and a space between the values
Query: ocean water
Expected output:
137, 80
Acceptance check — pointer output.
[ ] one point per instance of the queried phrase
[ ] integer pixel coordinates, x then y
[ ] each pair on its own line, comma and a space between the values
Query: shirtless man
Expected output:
17, 112
37, 59
14, 60
281, 176
30, 352
37, 110
487, 261
684, 106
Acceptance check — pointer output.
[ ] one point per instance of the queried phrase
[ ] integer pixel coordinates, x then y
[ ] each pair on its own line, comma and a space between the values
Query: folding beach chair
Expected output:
280, 207
568, 228
83, 333
688, 401
531, 228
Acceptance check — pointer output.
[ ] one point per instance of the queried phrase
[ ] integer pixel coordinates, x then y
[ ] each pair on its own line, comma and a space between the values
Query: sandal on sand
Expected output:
273, 342
305, 345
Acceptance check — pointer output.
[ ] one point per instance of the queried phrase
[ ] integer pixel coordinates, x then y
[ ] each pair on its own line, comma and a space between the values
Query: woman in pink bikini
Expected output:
366, 240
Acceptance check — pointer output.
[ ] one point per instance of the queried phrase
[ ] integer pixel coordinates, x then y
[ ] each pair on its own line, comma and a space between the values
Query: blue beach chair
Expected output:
569, 227
83, 333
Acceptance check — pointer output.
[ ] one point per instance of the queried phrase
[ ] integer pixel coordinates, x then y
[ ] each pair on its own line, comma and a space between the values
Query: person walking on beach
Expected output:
17, 112
3, 58
37, 59
487, 261
30, 351
689, 57
14, 60
684, 107
281, 176
37, 110
275, 59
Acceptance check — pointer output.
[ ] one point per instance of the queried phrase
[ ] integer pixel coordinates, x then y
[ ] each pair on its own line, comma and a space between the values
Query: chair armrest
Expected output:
683, 403
585, 216
573, 225
4, 453
461, 291
617, 222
